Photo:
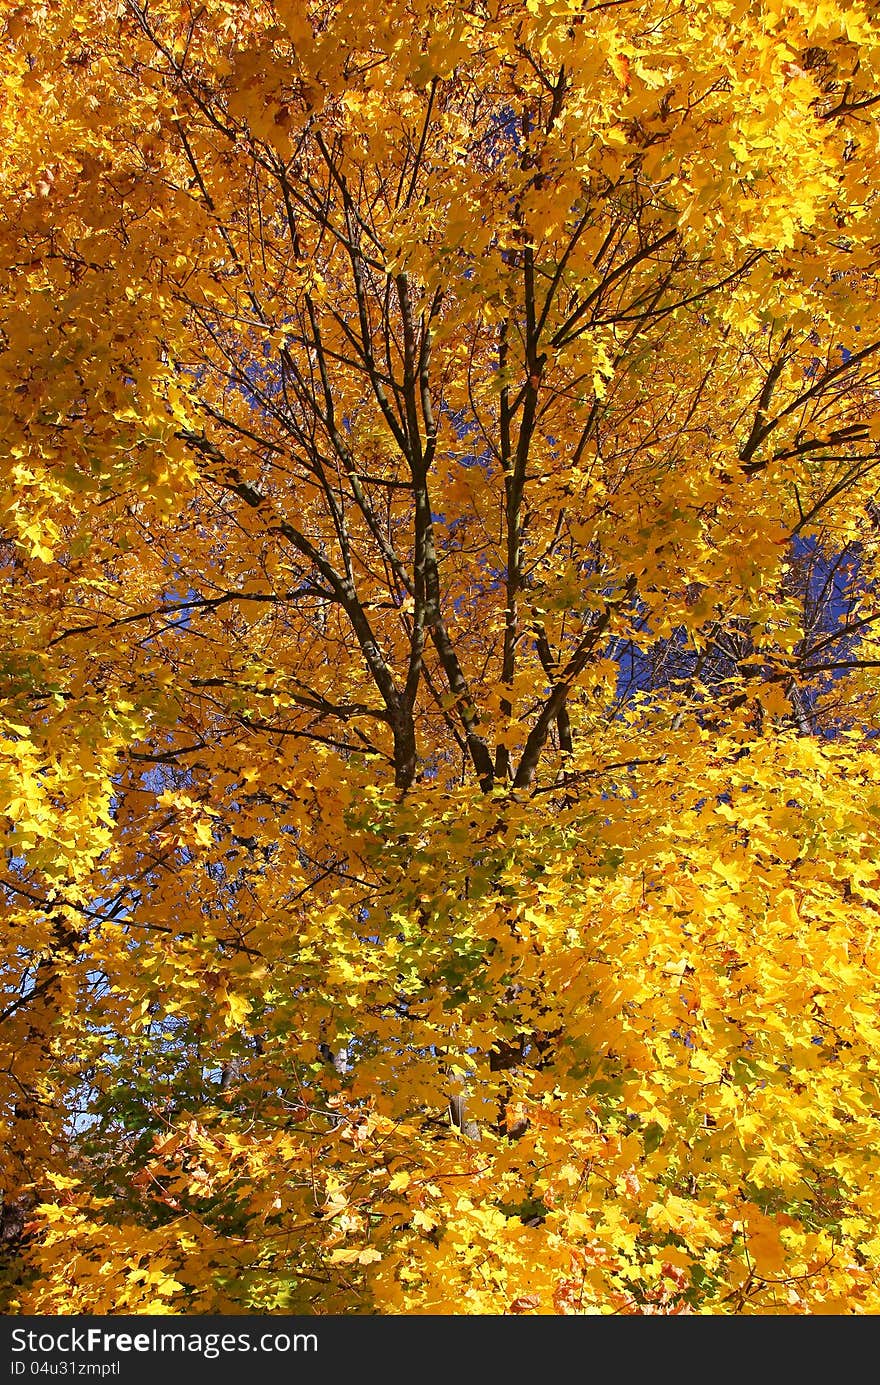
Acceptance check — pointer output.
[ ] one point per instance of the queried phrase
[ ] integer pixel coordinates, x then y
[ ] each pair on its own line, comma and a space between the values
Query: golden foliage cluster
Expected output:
438, 675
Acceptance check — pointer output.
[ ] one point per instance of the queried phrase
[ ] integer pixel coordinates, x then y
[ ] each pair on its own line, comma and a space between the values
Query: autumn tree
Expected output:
440, 540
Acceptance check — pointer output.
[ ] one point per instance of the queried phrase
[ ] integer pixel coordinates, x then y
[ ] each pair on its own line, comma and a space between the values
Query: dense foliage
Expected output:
438, 676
